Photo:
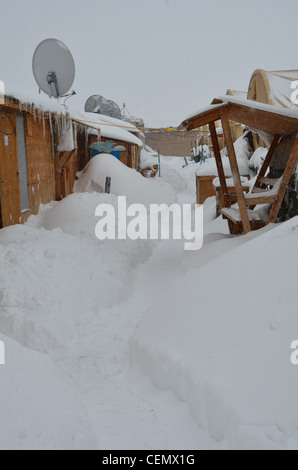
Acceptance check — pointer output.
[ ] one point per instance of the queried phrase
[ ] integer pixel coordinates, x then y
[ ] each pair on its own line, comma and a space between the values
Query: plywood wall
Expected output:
41, 166
40, 161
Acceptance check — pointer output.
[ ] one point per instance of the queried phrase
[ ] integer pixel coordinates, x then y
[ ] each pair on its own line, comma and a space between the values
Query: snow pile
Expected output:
46, 312
148, 159
125, 182
224, 346
187, 189
59, 297
74, 214
37, 408
172, 177
209, 168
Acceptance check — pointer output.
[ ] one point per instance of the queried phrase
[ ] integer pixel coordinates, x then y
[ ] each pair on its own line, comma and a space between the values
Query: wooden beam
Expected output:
264, 120
220, 169
257, 200
267, 161
235, 172
206, 116
68, 156
284, 184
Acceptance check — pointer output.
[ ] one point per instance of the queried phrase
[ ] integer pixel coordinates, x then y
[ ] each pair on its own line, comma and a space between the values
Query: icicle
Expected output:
44, 126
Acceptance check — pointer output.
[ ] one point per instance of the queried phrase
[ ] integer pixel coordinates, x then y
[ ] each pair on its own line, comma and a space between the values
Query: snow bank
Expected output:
220, 340
58, 288
44, 312
172, 177
125, 182
37, 410
74, 215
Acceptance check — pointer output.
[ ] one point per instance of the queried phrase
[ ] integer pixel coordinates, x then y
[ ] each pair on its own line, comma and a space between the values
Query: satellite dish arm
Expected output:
53, 84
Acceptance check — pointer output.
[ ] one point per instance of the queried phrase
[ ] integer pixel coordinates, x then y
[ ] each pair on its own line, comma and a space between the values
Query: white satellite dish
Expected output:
53, 68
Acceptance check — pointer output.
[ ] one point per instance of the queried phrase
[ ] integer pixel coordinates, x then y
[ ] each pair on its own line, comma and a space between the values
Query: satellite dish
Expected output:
99, 105
114, 110
53, 68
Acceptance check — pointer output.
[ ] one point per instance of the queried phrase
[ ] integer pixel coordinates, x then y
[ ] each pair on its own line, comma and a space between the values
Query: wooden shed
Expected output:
280, 129
42, 148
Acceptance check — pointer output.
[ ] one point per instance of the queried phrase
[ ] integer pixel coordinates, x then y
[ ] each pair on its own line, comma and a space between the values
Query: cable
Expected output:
97, 123
67, 97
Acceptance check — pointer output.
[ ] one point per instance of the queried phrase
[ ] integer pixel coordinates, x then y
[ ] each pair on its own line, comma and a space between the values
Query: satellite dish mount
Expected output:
53, 85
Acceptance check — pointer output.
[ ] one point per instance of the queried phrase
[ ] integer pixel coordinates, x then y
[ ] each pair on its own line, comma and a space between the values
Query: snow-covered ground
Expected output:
141, 345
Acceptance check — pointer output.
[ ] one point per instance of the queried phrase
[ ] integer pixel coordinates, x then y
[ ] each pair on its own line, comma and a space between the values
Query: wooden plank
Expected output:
204, 118
255, 201
263, 120
220, 169
268, 181
29, 125
65, 158
267, 161
284, 184
9, 173
235, 172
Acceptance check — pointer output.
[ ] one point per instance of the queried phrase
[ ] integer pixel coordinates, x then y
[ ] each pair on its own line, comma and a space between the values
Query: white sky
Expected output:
164, 58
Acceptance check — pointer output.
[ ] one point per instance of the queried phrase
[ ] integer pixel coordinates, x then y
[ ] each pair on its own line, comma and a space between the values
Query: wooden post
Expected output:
235, 172
284, 184
159, 165
220, 170
267, 161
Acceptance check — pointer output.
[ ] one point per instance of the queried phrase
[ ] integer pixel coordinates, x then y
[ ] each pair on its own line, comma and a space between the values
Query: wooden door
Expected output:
9, 177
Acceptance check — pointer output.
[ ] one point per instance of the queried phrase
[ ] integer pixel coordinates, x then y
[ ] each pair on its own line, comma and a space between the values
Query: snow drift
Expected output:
220, 340
125, 182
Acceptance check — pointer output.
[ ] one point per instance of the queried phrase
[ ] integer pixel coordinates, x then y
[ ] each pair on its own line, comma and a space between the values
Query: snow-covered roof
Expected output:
202, 111
268, 119
291, 113
109, 127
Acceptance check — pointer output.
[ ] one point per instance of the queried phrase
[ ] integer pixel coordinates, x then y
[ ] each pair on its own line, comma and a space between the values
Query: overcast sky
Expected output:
163, 58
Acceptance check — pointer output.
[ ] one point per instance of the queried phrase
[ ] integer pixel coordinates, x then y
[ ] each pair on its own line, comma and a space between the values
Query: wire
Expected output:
12, 125
67, 97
